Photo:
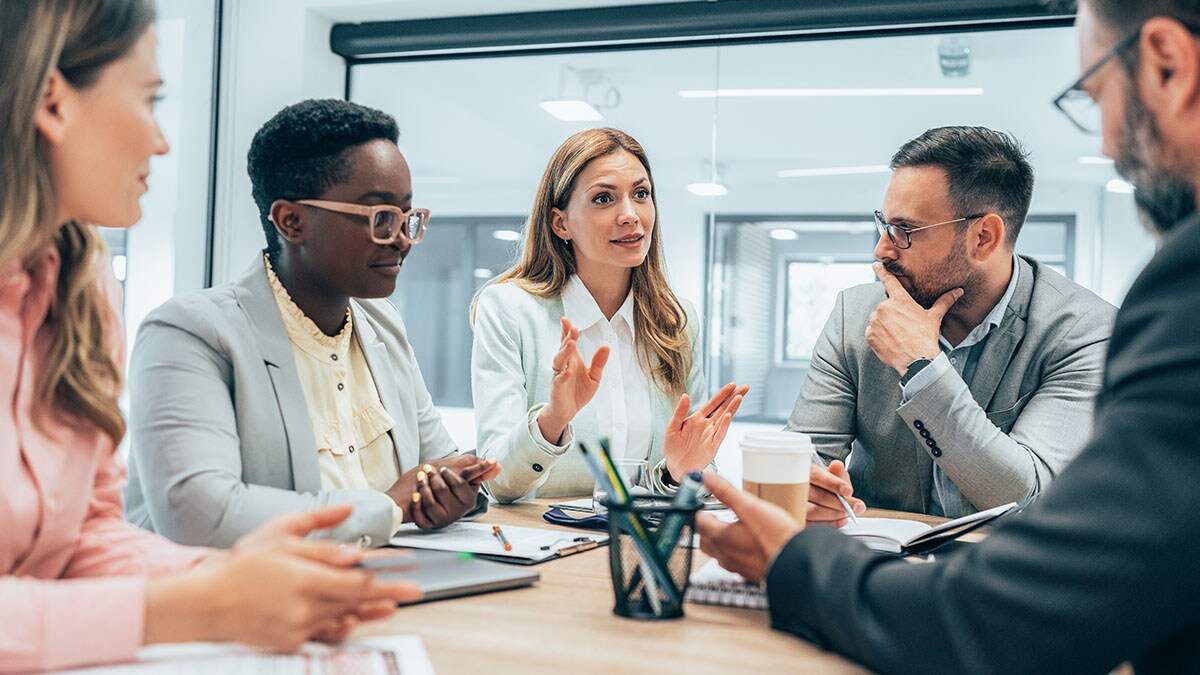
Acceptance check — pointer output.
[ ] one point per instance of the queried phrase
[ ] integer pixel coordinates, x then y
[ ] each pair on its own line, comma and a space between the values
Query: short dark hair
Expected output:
301, 152
987, 171
1125, 16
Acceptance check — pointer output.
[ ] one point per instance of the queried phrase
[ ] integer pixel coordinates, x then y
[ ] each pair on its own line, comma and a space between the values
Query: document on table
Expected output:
393, 655
529, 544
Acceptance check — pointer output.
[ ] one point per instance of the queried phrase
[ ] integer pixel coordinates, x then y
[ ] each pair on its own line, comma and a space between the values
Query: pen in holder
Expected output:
649, 576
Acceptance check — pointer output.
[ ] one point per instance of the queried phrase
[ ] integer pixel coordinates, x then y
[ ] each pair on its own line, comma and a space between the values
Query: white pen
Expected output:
846, 505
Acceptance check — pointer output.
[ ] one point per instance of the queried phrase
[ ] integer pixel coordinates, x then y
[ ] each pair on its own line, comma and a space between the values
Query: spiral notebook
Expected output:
715, 585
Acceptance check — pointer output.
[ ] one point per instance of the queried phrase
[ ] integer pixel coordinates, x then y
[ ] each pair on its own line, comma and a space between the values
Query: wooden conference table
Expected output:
565, 624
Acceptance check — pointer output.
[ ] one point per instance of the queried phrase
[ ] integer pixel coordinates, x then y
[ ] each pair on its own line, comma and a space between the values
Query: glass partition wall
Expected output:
768, 159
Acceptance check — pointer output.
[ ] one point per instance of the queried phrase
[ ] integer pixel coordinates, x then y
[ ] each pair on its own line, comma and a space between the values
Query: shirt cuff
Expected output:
535, 431
926, 377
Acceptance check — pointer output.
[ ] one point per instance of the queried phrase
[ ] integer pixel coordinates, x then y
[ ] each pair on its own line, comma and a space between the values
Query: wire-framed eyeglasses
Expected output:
901, 235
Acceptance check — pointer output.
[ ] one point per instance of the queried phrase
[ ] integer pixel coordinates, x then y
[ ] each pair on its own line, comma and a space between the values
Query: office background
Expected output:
791, 112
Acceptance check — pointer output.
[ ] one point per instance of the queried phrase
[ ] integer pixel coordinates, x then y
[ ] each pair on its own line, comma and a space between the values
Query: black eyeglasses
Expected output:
903, 233
1077, 104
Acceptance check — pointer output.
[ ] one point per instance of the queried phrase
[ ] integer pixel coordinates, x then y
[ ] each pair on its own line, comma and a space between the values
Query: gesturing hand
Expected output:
902, 331
750, 544
573, 385
691, 442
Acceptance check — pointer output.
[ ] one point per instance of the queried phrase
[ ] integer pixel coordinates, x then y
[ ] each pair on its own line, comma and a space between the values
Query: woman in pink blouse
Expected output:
77, 584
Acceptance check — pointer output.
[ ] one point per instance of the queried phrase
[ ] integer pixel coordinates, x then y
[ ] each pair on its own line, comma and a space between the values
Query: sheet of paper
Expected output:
368, 656
529, 543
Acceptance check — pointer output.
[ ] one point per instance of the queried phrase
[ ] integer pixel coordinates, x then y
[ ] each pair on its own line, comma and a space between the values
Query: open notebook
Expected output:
896, 535
715, 585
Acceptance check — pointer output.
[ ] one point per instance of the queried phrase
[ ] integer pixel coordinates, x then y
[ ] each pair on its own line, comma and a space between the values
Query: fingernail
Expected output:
416, 497
442, 469
491, 460
420, 476
428, 468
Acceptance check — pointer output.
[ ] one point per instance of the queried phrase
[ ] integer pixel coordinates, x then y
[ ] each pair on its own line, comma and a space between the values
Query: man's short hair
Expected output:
302, 151
1126, 16
987, 171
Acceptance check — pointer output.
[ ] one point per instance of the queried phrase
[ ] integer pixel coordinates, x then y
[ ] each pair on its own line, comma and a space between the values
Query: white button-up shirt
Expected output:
622, 402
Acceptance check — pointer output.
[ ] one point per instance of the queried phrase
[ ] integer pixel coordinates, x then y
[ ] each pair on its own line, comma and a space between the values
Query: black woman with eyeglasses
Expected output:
294, 386
964, 380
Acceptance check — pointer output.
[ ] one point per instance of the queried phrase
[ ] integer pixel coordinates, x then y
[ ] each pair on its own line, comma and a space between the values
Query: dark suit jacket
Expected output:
1103, 568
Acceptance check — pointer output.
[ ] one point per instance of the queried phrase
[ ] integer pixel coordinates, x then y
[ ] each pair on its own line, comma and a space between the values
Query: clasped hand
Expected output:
901, 330
441, 491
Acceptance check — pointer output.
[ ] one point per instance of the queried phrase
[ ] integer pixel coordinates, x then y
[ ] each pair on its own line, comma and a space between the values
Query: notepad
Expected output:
529, 544
895, 535
365, 656
715, 585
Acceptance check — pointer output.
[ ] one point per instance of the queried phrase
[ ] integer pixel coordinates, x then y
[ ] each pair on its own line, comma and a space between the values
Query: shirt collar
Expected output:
994, 317
581, 309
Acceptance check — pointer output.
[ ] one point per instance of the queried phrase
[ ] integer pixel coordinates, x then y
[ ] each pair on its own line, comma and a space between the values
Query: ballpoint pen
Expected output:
503, 539
846, 506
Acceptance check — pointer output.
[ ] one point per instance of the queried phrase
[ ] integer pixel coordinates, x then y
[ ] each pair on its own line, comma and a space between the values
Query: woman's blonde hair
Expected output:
79, 380
547, 262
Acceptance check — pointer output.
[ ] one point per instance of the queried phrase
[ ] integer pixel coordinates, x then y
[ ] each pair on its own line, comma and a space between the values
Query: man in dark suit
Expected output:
1102, 568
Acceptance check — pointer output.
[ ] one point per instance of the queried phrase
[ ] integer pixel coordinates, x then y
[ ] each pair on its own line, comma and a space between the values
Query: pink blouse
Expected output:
72, 571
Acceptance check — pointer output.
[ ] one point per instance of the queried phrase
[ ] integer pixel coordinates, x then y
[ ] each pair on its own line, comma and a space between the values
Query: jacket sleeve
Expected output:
503, 418
826, 407
1099, 570
189, 454
96, 612
991, 467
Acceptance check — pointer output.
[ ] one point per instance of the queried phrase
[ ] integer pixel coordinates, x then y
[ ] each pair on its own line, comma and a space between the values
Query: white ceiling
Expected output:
478, 141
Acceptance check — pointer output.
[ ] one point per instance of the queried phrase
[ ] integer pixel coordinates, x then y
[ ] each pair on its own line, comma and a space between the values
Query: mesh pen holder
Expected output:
650, 576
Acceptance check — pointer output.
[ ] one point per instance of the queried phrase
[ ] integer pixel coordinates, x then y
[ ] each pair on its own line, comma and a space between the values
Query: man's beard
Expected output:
1162, 198
952, 272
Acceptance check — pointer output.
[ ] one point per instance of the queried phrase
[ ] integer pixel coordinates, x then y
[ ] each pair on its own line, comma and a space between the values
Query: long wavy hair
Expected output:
79, 380
547, 262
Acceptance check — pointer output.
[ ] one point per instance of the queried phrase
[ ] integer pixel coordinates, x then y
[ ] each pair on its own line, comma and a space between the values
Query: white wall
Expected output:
276, 52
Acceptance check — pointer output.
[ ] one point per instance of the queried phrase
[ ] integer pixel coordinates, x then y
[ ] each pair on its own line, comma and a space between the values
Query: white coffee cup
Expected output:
775, 467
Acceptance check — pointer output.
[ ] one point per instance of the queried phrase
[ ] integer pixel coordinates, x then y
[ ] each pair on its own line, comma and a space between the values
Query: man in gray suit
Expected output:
965, 379
1102, 567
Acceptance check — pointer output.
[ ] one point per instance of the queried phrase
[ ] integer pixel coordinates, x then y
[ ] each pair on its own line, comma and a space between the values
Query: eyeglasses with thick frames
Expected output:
387, 223
1077, 104
894, 231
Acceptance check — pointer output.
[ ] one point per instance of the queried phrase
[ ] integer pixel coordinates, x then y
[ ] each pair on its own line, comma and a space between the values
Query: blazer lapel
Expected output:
379, 362
257, 301
1002, 343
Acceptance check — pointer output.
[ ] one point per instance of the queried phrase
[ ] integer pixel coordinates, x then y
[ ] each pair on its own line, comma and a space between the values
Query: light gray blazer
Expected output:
516, 337
1026, 414
222, 439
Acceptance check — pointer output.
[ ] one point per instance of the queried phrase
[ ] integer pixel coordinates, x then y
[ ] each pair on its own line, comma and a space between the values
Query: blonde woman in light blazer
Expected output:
584, 339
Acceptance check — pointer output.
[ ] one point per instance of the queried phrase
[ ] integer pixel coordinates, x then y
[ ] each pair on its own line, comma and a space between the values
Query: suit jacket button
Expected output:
537, 468
924, 433
930, 442
936, 451
918, 424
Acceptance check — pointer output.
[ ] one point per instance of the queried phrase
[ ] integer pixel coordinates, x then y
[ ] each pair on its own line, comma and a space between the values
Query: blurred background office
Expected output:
769, 123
